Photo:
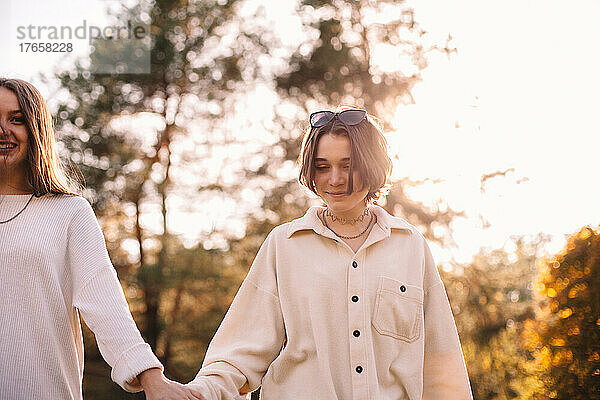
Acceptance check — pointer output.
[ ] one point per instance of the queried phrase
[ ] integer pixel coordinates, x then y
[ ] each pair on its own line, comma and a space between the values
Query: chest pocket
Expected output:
398, 310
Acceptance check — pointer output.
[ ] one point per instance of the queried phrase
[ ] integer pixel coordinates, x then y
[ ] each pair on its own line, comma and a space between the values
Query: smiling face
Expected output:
13, 139
332, 166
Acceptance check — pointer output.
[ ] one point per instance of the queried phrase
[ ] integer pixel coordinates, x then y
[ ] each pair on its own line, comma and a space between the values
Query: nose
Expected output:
337, 177
4, 125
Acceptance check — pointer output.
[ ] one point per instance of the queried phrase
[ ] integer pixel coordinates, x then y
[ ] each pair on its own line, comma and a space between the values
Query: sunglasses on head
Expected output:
348, 117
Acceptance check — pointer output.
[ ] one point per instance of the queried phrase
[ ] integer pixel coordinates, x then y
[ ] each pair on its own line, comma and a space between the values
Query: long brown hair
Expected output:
368, 155
45, 173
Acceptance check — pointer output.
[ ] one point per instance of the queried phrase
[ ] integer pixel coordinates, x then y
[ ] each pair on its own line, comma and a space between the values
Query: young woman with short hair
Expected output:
344, 302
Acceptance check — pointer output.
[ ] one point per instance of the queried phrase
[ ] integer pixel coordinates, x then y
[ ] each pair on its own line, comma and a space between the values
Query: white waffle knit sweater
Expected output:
53, 267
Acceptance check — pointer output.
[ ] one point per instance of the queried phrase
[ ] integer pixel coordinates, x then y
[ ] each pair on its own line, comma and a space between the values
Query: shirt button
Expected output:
354, 264
355, 299
356, 333
403, 288
359, 369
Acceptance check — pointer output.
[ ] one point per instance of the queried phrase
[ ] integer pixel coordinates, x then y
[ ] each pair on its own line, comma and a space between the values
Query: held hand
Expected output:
159, 387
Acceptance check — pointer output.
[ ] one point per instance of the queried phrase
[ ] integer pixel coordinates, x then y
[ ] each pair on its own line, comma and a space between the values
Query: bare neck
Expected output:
11, 183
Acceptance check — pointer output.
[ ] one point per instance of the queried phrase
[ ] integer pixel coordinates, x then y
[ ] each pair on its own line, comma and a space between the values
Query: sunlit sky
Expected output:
523, 89
520, 94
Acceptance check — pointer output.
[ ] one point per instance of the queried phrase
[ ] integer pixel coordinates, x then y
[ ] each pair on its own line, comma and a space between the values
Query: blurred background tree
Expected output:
565, 335
492, 298
133, 136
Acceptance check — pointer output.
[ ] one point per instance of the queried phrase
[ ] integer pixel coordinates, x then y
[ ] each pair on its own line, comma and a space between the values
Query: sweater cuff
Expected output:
131, 363
219, 381
202, 385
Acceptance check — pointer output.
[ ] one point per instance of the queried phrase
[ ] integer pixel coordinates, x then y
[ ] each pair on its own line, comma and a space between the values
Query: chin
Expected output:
336, 207
336, 203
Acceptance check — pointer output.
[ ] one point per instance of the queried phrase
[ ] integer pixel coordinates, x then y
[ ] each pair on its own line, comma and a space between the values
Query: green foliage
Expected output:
529, 326
565, 336
191, 76
339, 66
196, 291
132, 136
491, 300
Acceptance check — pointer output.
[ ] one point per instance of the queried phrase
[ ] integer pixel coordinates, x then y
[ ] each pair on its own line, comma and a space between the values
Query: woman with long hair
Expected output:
55, 267
344, 302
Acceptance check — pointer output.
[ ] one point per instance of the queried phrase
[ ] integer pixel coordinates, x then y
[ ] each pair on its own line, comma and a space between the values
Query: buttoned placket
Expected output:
358, 310
358, 313
357, 319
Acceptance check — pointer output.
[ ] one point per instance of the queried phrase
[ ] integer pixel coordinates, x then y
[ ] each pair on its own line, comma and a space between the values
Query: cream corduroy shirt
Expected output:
54, 268
313, 320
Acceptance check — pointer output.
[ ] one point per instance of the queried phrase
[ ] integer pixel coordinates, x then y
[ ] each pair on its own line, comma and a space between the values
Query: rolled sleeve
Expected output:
98, 296
104, 309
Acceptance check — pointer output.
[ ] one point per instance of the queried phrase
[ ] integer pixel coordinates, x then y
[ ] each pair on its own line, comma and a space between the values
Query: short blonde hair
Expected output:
369, 155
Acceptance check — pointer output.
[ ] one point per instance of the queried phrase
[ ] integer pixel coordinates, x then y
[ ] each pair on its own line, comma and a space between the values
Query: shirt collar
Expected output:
311, 221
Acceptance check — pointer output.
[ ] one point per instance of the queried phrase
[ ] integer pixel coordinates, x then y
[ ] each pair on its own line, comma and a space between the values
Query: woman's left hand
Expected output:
159, 387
